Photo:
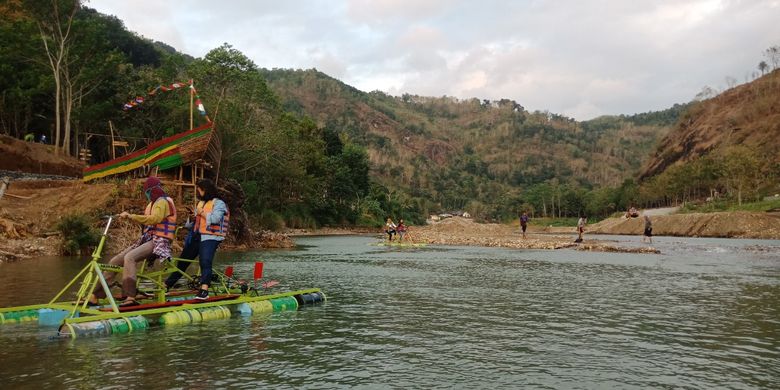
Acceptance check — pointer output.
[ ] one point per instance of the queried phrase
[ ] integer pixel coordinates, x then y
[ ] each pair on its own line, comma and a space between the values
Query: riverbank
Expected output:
737, 224
462, 231
31, 209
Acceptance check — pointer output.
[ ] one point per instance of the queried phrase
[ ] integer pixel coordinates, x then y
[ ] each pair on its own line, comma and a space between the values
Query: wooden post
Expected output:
179, 195
4, 182
192, 97
111, 127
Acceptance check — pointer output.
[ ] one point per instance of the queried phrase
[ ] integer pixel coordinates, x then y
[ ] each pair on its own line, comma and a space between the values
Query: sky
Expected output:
581, 59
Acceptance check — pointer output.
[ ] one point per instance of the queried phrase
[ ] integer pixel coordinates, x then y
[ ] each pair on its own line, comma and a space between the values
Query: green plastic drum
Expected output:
261, 307
286, 303
18, 316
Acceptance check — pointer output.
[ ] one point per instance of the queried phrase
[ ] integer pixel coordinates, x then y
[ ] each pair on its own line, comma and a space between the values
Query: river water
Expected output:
703, 314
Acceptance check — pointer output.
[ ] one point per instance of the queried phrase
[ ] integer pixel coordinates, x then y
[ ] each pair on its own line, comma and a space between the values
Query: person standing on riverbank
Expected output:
524, 223
581, 227
648, 230
159, 220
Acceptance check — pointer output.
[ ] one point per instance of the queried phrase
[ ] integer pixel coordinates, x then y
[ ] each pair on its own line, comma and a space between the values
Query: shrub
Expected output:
271, 220
78, 236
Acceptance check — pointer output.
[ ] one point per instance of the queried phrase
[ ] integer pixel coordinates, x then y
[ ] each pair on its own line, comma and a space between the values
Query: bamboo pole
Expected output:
113, 152
192, 97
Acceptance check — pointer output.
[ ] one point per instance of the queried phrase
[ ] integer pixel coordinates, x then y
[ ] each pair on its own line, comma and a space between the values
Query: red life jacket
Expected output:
167, 227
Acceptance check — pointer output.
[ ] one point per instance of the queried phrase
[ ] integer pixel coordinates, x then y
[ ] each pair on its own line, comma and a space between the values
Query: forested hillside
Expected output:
310, 150
748, 115
491, 158
66, 71
723, 146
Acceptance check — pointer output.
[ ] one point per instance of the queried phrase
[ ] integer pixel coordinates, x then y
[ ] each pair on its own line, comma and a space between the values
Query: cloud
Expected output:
329, 64
157, 22
580, 59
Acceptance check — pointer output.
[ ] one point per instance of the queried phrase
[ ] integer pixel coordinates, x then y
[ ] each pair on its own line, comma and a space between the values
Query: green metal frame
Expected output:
92, 274
103, 315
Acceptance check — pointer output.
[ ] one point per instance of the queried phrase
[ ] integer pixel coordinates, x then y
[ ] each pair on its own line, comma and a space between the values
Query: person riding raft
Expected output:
390, 228
212, 218
401, 230
159, 221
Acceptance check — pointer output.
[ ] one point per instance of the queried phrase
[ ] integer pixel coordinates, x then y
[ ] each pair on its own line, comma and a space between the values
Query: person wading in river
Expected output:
581, 228
211, 226
648, 230
524, 223
159, 220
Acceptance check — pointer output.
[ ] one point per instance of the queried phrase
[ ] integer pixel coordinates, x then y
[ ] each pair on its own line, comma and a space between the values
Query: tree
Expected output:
24, 83
741, 169
762, 66
91, 59
773, 55
707, 92
731, 82
55, 21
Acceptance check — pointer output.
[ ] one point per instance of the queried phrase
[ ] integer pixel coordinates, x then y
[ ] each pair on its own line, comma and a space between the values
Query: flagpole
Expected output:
192, 96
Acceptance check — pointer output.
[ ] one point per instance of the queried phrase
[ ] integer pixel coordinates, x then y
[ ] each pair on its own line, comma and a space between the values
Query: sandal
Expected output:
143, 295
90, 303
129, 302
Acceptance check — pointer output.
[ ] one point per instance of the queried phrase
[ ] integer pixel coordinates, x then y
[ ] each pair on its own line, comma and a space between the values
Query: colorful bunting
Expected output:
172, 87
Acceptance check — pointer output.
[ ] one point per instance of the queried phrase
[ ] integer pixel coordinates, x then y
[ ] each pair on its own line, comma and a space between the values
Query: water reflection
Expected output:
447, 317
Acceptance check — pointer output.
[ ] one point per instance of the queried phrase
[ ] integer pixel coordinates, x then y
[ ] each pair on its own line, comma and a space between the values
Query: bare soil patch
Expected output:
28, 220
17, 155
724, 224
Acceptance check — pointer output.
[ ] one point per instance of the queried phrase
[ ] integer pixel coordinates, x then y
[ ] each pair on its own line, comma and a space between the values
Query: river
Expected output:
703, 314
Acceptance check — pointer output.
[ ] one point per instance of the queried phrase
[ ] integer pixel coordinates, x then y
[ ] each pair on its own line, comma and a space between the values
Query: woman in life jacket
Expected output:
159, 221
209, 230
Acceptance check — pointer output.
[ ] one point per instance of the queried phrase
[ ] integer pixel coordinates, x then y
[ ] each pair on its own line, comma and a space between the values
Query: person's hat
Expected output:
151, 182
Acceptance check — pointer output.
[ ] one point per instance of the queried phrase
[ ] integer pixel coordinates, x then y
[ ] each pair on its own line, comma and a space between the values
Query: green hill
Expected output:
476, 153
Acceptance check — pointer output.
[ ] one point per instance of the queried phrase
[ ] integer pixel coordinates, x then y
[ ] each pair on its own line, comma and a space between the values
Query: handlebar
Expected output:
108, 224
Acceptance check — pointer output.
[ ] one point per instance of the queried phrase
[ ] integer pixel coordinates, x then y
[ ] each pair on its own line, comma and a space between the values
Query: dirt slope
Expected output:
50, 200
748, 114
31, 209
28, 220
726, 224
17, 155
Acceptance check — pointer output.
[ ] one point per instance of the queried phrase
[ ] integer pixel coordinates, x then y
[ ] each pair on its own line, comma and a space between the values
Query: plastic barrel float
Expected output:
230, 297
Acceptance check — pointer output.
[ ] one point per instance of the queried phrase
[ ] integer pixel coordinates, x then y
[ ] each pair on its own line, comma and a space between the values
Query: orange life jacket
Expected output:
217, 229
167, 227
